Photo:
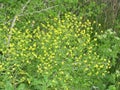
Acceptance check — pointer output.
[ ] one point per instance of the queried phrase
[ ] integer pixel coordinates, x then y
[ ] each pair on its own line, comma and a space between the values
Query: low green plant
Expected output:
109, 47
55, 55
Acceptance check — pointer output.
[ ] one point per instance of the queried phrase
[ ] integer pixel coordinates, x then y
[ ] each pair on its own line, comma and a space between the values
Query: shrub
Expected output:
59, 54
109, 47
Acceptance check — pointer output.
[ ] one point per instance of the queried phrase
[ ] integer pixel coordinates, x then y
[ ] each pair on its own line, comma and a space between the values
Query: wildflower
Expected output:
85, 61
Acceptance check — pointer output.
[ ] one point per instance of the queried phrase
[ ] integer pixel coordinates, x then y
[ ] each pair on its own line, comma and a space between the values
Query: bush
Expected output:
109, 47
59, 54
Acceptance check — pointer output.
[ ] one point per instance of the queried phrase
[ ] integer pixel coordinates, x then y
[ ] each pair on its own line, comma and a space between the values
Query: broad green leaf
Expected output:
21, 87
9, 86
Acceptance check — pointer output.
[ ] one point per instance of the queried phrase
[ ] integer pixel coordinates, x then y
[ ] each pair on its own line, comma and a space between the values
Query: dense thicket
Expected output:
59, 44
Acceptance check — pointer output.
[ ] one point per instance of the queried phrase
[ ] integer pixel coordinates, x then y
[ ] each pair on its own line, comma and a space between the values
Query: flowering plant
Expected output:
59, 54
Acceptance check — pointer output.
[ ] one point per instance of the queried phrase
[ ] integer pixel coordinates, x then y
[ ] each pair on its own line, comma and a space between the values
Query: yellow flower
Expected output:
85, 61
61, 72
28, 81
101, 66
34, 44
103, 74
62, 62
63, 21
55, 19
89, 74
96, 66
94, 22
86, 69
81, 18
99, 24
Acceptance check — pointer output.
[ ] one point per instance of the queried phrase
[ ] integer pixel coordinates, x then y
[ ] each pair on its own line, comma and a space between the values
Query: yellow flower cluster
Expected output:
61, 50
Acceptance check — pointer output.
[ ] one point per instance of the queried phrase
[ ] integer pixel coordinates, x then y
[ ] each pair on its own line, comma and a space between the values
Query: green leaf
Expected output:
9, 86
37, 82
21, 87
112, 87
71, 1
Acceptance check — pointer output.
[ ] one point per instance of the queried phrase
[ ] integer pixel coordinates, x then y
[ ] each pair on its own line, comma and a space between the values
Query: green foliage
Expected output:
60, 54
109, 46
9, 86
50, 50
21, 87
112, 87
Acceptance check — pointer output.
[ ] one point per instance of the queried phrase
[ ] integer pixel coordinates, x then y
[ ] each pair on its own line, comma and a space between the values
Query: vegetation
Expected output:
59, 45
